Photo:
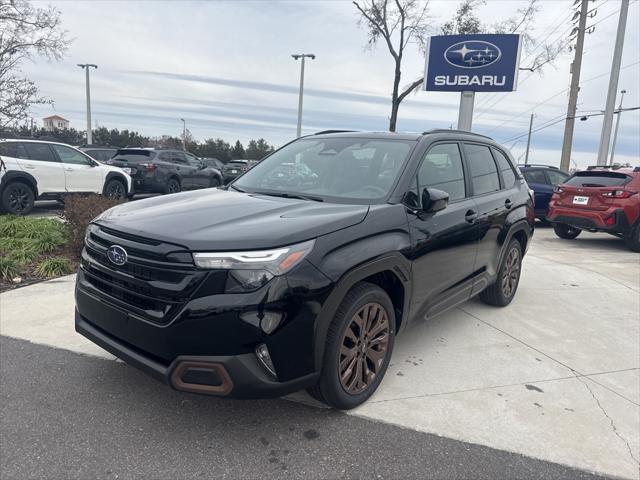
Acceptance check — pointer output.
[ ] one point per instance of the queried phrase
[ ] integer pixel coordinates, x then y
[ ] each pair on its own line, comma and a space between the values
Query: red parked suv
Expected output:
600, 199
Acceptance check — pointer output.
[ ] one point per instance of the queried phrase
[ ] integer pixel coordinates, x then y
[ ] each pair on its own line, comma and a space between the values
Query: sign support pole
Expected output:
465, 114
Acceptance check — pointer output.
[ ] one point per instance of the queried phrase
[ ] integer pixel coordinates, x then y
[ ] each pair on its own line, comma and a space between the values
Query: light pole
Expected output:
86, 67
526, 158
184, 134
615, 132
297, 56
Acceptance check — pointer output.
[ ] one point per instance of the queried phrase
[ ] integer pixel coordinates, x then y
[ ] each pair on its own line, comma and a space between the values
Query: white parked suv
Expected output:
37, 170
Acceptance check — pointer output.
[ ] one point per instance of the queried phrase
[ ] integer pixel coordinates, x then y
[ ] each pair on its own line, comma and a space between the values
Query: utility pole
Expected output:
607, 122
576, 65
86, 67
615, 132
184, 134
302, 56
526, 158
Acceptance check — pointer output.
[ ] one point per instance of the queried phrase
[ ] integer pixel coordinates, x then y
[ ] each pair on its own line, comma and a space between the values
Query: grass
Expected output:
32, 247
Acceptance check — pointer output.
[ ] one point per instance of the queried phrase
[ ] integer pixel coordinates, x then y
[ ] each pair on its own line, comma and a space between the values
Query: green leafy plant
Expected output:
9, 268
53, 267
23, 255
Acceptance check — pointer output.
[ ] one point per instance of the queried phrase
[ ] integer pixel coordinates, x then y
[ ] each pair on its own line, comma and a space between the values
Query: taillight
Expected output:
618, 194
557, 189
150, 167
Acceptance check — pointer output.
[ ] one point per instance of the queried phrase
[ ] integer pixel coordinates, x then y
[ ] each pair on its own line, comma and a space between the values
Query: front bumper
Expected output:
239, 376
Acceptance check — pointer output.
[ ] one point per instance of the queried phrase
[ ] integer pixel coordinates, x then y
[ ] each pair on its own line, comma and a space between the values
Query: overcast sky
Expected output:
225, 67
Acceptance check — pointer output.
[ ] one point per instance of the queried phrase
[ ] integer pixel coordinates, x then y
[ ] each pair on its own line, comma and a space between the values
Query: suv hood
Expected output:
214, 219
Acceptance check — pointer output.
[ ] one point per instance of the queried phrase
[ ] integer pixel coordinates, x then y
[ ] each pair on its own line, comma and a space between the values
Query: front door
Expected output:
80, 172
444, 243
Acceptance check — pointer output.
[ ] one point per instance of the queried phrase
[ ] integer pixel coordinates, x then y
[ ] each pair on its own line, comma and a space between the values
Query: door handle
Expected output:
508, 203
68, 169
470, 216
30, 167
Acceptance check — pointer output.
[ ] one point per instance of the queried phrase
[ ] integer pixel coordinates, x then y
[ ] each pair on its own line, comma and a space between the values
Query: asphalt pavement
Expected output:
72, 416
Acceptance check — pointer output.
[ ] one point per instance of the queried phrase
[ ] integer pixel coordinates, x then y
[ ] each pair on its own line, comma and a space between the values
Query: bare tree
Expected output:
25, 31
402, 21
396, 23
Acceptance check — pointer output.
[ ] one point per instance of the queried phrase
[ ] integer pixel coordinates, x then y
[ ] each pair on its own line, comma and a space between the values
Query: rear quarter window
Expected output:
598, 179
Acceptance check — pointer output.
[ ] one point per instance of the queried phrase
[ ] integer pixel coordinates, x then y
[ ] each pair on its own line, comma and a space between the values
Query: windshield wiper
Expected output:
237, 189
291, 195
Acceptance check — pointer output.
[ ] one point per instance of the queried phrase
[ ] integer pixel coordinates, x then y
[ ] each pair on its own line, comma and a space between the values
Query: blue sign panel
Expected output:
479, 63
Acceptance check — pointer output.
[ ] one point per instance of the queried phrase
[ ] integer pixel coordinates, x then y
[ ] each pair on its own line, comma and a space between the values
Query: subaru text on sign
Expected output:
479, 63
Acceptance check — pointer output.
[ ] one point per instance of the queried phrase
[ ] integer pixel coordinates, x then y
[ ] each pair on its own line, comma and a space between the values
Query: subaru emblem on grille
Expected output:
117, 255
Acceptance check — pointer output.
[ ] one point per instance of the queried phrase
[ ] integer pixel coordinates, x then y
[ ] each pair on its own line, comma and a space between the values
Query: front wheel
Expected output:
502, 291
358, 348
565, 231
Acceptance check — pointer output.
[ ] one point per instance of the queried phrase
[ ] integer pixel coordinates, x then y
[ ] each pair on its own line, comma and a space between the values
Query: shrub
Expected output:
9, 268
53, 267
79, 210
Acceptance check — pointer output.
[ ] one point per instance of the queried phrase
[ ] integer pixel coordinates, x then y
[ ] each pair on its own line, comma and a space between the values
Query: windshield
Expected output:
347, 169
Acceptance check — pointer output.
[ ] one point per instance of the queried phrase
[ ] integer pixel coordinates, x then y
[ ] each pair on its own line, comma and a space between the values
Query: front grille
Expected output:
155, 282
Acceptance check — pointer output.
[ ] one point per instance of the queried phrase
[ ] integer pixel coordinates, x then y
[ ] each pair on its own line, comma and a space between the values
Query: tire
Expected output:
115, 189
633, 239
501, 292
215, 182
565, 231
18, 198
344, 334
172, 186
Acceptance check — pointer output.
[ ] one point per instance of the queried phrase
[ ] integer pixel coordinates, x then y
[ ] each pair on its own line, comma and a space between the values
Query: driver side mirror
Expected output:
434, 200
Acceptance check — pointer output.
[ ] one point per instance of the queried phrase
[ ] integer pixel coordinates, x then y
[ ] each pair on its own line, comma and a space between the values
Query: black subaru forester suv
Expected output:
265, 287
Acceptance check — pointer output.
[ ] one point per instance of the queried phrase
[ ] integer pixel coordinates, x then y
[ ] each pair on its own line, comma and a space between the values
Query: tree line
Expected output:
210, 147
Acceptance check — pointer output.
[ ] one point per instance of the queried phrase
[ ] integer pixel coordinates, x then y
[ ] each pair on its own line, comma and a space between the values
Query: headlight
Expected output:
126, 170
252, 269
87, 233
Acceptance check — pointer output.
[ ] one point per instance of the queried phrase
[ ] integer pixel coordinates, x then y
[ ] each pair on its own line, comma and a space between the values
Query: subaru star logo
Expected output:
117, 255
472, 54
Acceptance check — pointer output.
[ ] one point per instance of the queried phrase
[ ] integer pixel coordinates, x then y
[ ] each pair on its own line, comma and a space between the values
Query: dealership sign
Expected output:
479, 63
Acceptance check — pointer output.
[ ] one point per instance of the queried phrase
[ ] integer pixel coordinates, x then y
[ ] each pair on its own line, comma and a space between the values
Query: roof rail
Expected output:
323, 132
447, 130
537, 165
615, 166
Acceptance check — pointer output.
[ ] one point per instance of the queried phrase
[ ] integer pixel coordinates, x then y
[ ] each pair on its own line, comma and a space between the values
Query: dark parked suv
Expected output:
542, 179
165, 170
263, 289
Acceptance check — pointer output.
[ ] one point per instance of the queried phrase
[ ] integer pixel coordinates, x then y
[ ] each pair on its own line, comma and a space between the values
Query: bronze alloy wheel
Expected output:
511, 273
364, 348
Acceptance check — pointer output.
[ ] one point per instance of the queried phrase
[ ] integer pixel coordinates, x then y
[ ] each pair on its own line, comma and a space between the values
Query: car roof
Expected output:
33, 140
399, 136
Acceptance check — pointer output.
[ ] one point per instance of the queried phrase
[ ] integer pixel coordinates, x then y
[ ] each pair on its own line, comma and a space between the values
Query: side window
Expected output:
534, 176
12, 149
556, 178
506, 170
165, 157
484, 174
178, 157
69, 155
39, 151
441, 168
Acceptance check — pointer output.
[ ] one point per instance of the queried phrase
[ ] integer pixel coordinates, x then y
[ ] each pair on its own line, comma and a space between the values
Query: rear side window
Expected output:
12, 149
506, 170
556, 178
534, 176
39, 151
484, 173
442, 169
598, 179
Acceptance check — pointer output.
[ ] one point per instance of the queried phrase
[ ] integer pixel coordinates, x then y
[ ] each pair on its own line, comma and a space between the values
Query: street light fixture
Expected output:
297, 56
86, 67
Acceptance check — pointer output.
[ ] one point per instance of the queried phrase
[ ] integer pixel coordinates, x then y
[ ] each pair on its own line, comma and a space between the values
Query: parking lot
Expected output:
554, 377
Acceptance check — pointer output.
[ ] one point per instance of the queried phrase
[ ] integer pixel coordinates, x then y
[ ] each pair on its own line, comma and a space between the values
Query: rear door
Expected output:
39, 160
492, 202
444, 243
81, 174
